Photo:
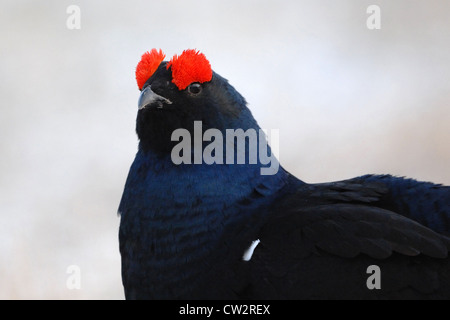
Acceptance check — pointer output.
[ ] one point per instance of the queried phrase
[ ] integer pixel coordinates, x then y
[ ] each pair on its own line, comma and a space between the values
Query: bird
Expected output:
196, 223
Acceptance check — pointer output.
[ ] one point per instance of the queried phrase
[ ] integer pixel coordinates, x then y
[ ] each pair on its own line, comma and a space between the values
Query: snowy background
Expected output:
347, 101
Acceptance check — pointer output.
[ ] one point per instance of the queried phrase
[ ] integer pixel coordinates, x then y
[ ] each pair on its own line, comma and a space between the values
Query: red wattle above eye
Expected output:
150, 61
189, 67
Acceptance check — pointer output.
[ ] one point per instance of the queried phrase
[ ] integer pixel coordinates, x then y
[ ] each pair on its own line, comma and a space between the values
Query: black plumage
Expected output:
185, 227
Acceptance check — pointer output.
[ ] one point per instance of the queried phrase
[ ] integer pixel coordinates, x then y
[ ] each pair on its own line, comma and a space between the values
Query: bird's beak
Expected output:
149, 98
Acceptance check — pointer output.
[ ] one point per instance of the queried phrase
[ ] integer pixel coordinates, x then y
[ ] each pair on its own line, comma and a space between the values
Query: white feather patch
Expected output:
249, 252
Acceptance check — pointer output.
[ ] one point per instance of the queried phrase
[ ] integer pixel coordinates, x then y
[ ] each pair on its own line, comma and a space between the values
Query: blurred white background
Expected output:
347, 100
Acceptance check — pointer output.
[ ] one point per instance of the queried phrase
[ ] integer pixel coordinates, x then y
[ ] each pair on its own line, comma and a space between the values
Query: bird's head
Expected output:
178, 92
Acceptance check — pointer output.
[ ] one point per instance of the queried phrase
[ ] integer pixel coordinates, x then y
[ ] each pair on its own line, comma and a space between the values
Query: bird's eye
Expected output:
195, 88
